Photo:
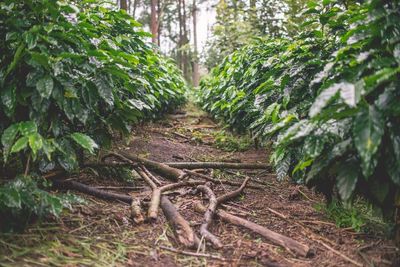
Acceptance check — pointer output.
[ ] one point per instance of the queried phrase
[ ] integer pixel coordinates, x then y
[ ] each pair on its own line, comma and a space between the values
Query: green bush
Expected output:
328, 98
71, 72
21, 201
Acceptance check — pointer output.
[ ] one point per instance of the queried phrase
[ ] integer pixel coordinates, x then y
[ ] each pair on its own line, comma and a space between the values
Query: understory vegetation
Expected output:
327, 97
71, 74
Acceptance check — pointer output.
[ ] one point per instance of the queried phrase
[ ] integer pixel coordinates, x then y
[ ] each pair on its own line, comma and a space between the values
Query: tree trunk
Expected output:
185, 42
135, 3
196, 76
123, 4
153, 22
159, 15
179, 52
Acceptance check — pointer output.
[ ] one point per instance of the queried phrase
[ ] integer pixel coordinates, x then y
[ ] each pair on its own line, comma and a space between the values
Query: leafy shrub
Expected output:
329, 99
228, 142
71, 72
21, 200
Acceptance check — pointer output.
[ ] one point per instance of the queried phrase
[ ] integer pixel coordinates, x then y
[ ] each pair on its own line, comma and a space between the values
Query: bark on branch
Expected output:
182, 228
73, 185
216, 165
215, 181
276, 238
160, 168
208, 216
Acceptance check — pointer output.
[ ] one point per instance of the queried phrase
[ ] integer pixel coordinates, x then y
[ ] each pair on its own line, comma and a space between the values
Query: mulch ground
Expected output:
101, 233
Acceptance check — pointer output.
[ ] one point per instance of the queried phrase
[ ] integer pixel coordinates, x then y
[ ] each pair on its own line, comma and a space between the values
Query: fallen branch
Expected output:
216, 165
182, 228
156, 195
194, 254
73, 185
208, 216
340, 254
151, 176
215, 181
136, 212
234, 193
276, 238
160, 168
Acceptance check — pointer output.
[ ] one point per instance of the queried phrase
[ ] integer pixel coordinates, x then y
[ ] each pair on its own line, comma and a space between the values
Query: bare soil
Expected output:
101, 233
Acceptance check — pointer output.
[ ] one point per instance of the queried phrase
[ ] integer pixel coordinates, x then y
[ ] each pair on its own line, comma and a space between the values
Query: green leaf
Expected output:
347, 93
368, 129
31, 39
393, 159
45, 86
84, 141
10, 197
20, 144
105, 90
35, 142
7, 138
346, 179
283, 166
323, 99
27, 128
8, 98
17, 56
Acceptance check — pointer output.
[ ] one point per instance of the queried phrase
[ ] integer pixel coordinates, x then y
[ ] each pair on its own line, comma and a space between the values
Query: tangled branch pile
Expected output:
327, 98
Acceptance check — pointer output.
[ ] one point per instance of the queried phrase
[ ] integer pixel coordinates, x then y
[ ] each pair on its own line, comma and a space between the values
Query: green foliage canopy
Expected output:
328, 98
71, 72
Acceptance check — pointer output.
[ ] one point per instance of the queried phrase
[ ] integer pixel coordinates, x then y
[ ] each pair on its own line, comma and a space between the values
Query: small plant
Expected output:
360, 216
228, 142
22, 200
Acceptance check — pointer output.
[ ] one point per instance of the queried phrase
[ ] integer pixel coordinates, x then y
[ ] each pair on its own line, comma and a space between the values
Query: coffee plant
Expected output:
328, 98
71, 73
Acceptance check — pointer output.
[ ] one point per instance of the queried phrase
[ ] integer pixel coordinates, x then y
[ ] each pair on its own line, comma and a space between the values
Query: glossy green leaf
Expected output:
8, 99
369, 126
27, 128
20, 144
45, 86
84, 141
347, 179
8, 137
35, 143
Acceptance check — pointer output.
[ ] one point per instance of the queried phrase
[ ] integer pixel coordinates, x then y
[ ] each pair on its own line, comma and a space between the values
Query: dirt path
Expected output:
100, 233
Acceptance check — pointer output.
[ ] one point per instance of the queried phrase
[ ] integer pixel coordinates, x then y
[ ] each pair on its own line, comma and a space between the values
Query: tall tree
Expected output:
153, 22
123, 4
195, 75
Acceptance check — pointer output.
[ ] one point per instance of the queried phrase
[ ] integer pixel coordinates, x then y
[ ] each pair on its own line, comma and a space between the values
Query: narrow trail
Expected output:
101, 233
